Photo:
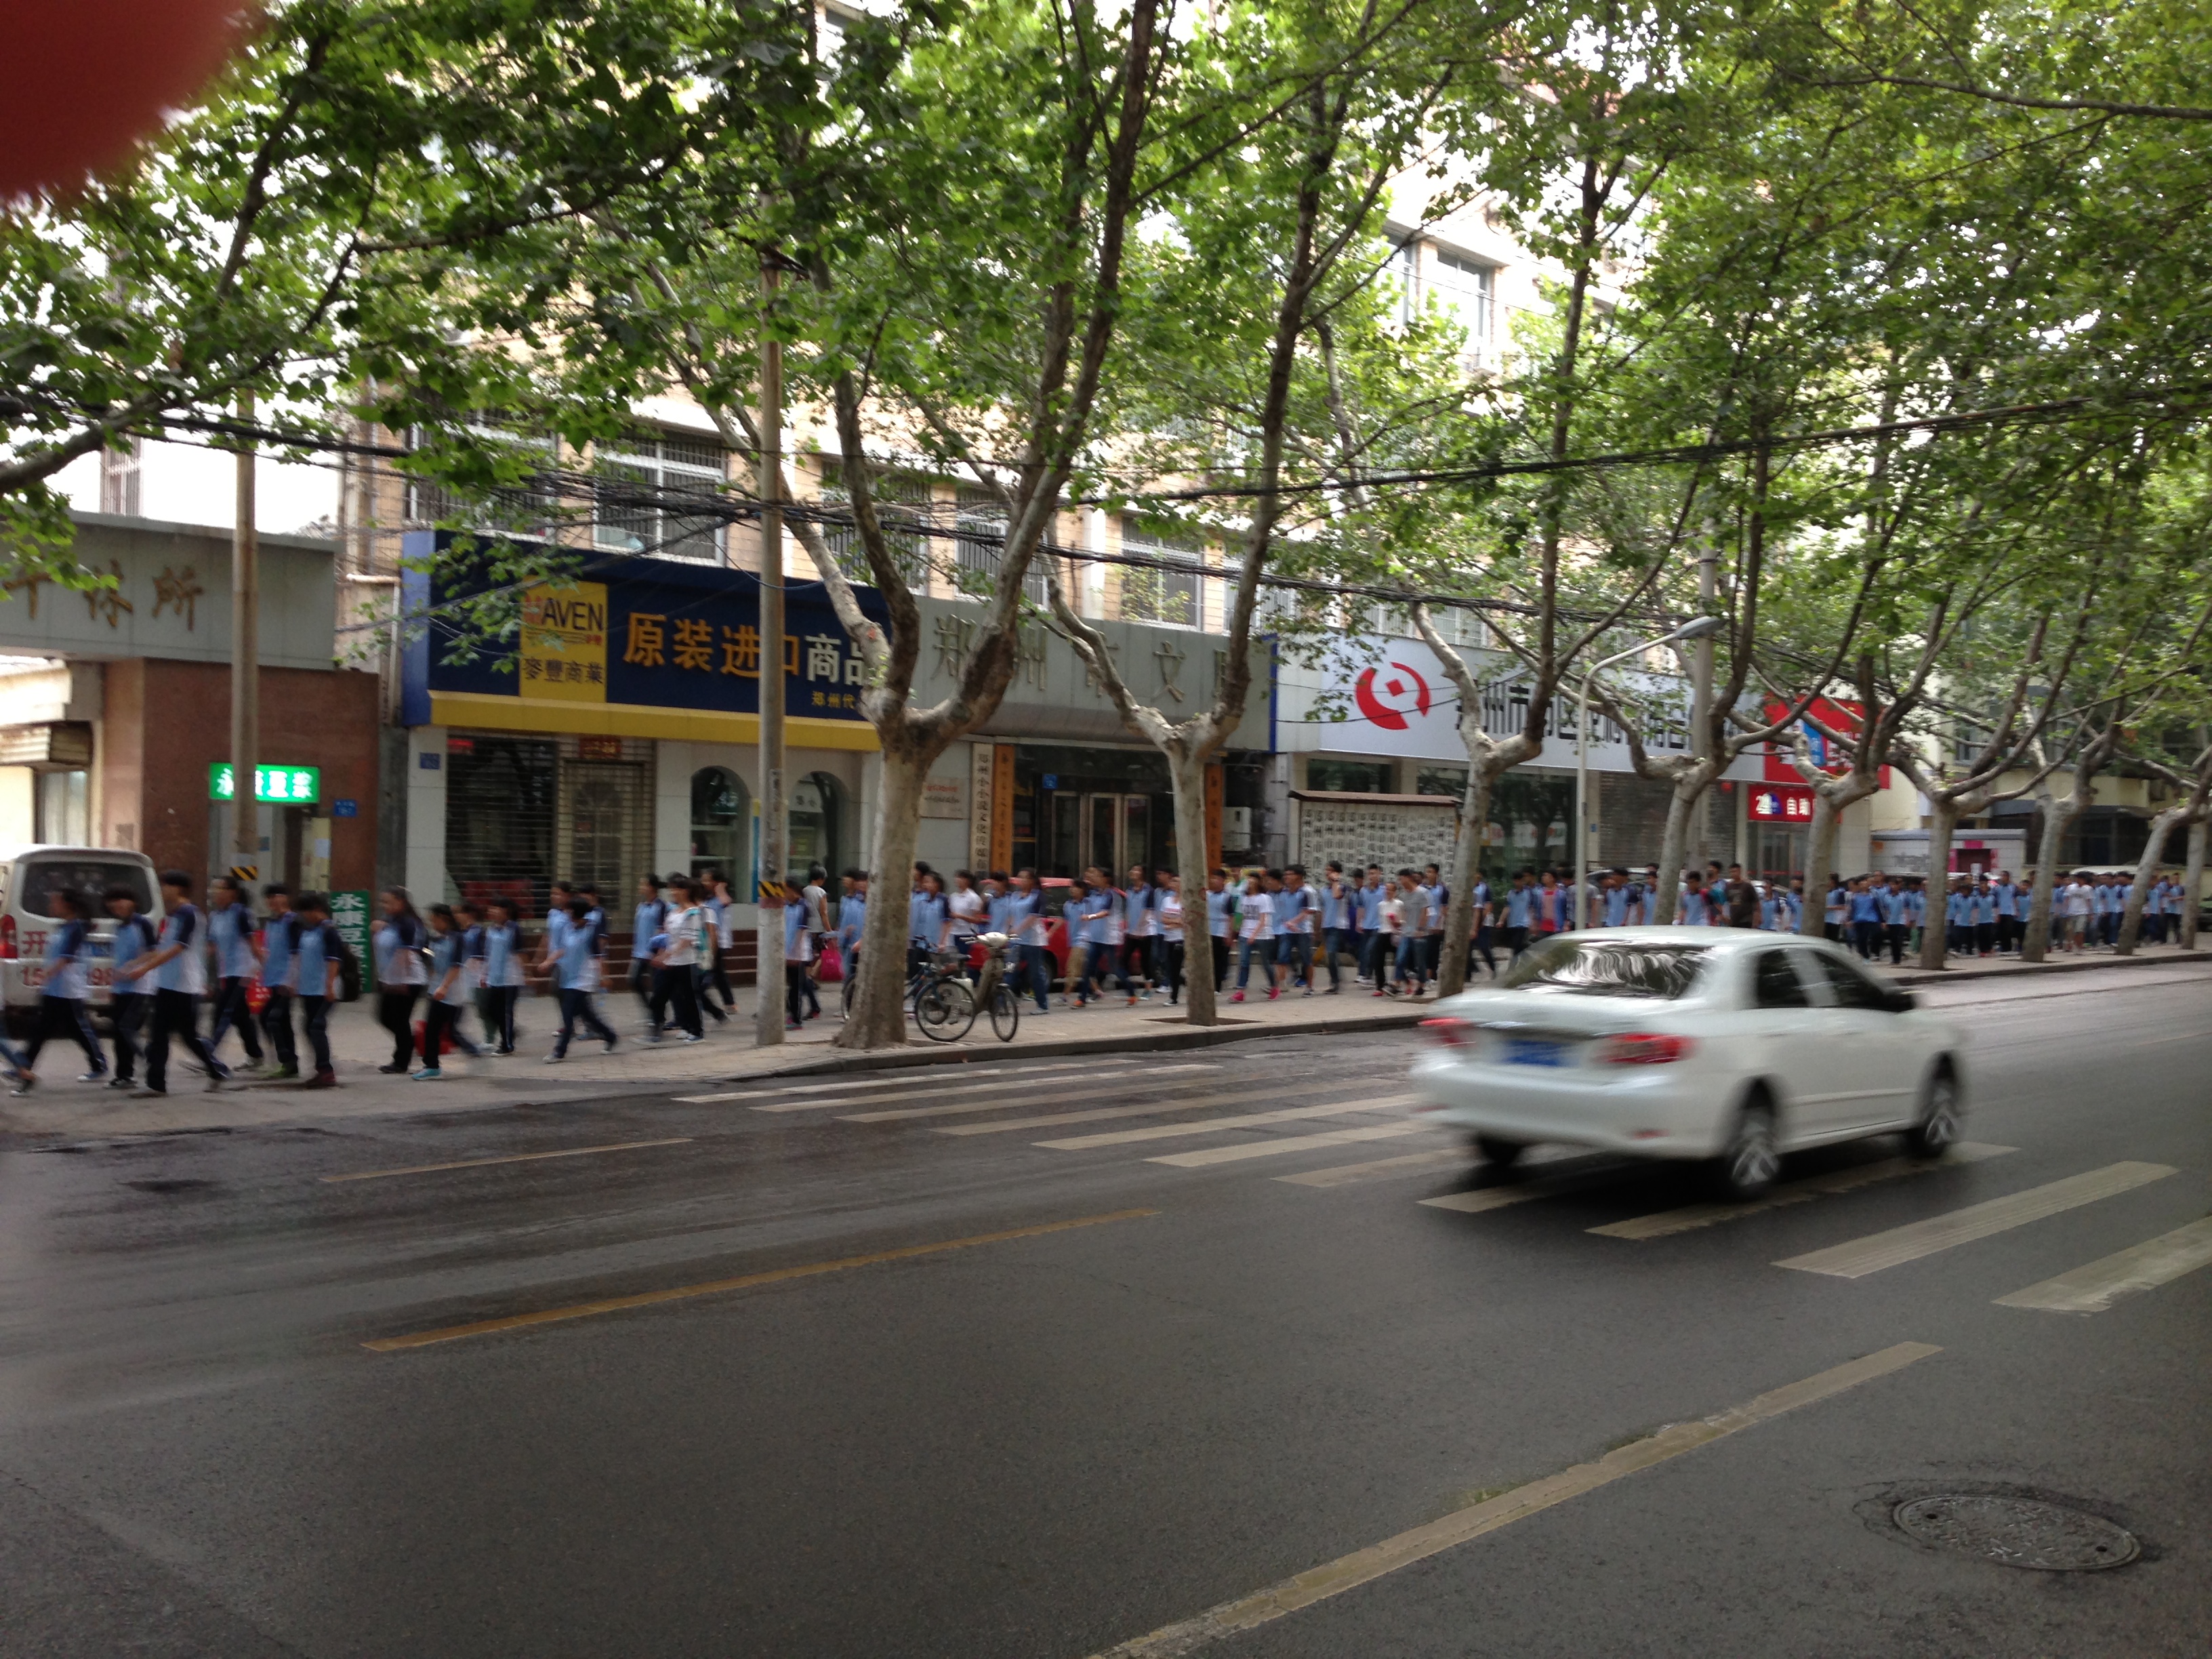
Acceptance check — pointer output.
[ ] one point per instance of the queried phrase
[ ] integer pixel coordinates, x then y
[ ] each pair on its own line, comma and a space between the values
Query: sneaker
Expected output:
1308, 992
123, 1082
283, 1074
502, 1053
611, 1045
792, 1025
428, 1074
1144, 995
554, 1059
692, 1037
25, 1082
149, 1093
391, 1071
99, 1076
1238, 997
214, 1084
1382, 993
322, 1081
1131, 1003
1274, 993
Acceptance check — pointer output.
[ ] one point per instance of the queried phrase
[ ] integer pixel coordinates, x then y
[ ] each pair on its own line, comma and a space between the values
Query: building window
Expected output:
1441, 781
1175, 595
721, 825
62, 804
1349, 777
673, 467
118, 478
1469, 289
903, 507
817, 812
530, 509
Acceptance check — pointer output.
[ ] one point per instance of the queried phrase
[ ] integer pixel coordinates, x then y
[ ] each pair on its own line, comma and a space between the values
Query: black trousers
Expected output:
576, 1009
128, 1010
232, 1009
702, 981
1137, 960
641, 981
276, 1021
177, 1014
395, 1012
65, 1017
1898, 931
716, 976
1171, 967
798, 988
499, 1016
438, 1019
317, 1011
673, 985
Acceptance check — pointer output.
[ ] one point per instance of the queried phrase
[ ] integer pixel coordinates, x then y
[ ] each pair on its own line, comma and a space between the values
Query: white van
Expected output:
29, 876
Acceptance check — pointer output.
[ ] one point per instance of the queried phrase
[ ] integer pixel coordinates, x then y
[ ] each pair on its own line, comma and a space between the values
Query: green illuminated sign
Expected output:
283, 785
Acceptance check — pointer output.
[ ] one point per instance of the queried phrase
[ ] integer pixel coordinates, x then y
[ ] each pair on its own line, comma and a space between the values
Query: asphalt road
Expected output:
1054, 1439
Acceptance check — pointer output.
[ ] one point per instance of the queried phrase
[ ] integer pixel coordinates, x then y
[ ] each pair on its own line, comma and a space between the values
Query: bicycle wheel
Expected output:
1005, 1013
944, 1012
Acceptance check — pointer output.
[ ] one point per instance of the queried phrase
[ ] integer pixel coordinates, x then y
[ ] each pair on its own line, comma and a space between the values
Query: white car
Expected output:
1691, 1043
29, 878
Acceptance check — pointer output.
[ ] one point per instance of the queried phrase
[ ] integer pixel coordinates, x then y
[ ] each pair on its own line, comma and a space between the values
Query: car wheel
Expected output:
1941, 1112
1749, 1166
1503, 1153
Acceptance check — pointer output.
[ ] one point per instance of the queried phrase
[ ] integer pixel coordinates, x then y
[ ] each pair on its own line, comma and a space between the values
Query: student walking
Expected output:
132, 998
499, 951
315, 951
576, 972
647, 918
276, 981
1255, 938
62, 993
1298, 908
449, 981
230, 931
1221, 923
674, 960
178, 968
1030, 925
1170, 910
397, 944
1140, 907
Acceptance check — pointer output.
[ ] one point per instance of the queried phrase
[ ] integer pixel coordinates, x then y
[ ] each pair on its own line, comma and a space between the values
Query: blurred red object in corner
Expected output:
83, 79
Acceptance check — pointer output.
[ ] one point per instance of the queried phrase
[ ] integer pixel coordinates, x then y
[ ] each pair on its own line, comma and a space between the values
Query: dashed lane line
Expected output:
1364, 1567
1208, 1156
1858, 1257
741, 1282
1206, 1126
1147, 1109
2095, 1287
1667, 1222
513, 1157
847, 1084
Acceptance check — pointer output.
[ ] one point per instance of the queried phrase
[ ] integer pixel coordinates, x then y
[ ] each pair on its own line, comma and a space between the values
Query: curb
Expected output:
2071, 965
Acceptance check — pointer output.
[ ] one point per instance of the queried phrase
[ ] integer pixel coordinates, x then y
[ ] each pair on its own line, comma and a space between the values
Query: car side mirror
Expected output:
1902, 1001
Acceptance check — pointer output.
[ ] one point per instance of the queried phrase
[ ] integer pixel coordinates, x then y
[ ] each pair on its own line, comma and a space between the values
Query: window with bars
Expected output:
901, 499
530, 509
118, 478
1175, 595
670, 467
979, 556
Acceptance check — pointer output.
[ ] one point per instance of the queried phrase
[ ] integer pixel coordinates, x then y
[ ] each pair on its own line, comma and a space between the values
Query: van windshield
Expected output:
1583, 966
43, 878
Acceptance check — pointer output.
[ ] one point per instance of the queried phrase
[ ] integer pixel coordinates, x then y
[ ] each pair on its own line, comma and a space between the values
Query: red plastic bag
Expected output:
829, 967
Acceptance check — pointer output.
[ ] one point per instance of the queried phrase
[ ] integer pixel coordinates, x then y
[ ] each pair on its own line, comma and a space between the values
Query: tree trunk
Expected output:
1820, 840
1677, 833
2038, 942
1466, 872
2139, 888
2192, 882
1187, 775
879, 1018
1941, 830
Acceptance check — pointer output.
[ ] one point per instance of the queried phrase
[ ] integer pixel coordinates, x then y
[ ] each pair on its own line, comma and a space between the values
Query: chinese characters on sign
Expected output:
289, 785
180, 592
1782, 803
564, 641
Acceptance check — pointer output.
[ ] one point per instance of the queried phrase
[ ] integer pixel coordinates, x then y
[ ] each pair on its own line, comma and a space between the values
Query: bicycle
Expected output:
946, 1004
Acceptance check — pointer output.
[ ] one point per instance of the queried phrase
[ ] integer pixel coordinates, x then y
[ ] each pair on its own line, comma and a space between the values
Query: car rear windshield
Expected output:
41, 878
1606, 968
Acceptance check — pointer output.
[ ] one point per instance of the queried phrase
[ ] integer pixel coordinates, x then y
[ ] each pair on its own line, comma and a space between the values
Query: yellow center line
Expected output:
741, 1282
515, 1157
1376, 1560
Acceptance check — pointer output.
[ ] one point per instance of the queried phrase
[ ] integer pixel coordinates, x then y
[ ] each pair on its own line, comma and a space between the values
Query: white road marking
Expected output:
1487, 1198
1149, 1108
1381, 1169
1462, 1526
958, 1108
1861, 1256
830, 1102
1666, 1222
1239, 1154
2095, 1287
848, 1084
1246, 1120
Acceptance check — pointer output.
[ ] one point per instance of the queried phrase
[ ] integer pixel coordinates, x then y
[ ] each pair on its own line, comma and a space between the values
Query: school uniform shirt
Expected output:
1839, 905
1220, 912
852, 920
133, 939
1954, 910
1893, 907
64, 973
230, 929
998, 914
1616, 906
1170, 914
1696, 911
398, 959
1026, 919
1481, 905
1521, 908
1433, 900
578, 968
499, 949
557, 924
1103, 920
1335, 906
1793, 910
1770, 914
1295, 911
448, 952
1367, 908
277, 951
1142, 904
313, 950
2007, 898
1981, 907
647, 919
185, 971
925, 919
1916, 907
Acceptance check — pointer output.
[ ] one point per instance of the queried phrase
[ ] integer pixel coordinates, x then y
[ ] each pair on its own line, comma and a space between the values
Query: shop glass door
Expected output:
1116, 832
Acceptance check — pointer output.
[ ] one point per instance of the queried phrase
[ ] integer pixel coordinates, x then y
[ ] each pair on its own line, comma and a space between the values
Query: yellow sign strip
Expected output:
636, 719
741, 1282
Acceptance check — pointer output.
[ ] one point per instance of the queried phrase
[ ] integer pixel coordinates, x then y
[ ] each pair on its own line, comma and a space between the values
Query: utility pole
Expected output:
775, 822
245, 660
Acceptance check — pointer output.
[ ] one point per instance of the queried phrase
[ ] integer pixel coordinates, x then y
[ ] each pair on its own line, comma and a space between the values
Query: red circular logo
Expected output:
1386, 695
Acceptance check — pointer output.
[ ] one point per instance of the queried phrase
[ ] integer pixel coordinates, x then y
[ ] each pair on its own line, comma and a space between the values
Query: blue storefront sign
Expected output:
627, 645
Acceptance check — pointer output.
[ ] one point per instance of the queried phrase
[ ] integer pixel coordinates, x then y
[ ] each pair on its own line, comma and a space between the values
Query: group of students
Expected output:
159, 976
474, 955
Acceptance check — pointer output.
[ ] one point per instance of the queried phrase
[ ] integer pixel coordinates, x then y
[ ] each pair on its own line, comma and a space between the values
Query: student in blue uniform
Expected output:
316, 951
179, 969
577, 975
276, 980
131, 998
449, 993
498, 947
62, 992
230, 928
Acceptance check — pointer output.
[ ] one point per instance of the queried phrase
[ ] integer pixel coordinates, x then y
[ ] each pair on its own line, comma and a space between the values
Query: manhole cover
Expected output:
2017, 1532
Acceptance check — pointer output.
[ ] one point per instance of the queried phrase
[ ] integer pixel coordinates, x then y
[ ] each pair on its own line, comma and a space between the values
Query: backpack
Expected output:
349, 966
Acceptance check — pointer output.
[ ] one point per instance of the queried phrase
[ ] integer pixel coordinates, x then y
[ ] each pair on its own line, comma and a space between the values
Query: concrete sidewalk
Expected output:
62, 1106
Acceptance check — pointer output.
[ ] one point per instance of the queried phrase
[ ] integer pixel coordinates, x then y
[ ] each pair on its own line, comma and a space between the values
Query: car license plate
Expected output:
1534, 1051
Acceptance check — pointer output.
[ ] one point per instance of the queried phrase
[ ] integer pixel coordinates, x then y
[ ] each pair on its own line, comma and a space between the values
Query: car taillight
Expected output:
1452, 1033
7, 938
1644, 1048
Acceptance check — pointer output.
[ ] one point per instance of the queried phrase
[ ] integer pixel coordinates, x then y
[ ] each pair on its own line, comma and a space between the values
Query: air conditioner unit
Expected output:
1236, 826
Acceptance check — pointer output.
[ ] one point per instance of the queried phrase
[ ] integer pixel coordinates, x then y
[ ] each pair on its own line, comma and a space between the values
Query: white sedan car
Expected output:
1691, 1043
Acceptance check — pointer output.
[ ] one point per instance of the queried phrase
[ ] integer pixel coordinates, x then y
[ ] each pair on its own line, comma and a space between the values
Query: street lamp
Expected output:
1696, 629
